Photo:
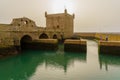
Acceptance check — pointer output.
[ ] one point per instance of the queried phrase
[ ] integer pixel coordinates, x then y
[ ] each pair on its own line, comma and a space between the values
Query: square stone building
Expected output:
62, 22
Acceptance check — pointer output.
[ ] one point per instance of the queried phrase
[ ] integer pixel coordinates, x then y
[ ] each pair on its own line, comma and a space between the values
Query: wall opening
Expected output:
58, 26
43, 36
55, 36
24, 42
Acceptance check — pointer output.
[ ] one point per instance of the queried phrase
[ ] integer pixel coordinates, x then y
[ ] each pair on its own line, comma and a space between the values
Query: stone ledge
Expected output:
75, 46
109, 47
69, 41
7, 51
109, 43
42, 44
50, 41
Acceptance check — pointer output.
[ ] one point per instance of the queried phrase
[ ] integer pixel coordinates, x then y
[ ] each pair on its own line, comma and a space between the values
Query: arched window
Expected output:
25, 22
18, 24
55, 36
58, 26
25, 41
43, 36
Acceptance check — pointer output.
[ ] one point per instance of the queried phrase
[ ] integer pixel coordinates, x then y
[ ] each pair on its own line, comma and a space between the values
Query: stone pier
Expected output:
75, 46
42, 44
109, 47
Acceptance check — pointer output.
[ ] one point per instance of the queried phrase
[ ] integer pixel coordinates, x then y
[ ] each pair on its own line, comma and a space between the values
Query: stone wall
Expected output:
5, 39
69, 24
100, 36
61, 22
109, 47
110, 36
75, 46
60, 25
86, 35
23, 24
4, 27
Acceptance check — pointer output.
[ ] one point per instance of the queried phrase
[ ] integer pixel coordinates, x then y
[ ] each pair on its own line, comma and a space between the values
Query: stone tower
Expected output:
62, 22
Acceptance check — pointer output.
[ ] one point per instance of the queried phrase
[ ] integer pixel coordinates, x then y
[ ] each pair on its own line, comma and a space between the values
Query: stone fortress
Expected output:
58, 26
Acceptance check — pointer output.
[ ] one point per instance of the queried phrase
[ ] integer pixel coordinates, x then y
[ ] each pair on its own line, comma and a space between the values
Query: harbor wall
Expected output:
111, 36
100, 36
75, 46
41, 44
109, 47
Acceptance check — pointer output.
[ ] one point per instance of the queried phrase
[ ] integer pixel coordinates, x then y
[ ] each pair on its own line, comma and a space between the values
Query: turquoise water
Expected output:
48, 65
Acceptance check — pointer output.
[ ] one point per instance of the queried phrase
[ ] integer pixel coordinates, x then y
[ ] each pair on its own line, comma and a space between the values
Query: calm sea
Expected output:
59, 65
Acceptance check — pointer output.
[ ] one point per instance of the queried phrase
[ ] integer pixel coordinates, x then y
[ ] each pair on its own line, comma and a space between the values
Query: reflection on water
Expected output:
63, 60
48, 65
106, 60
24, 65
19, 67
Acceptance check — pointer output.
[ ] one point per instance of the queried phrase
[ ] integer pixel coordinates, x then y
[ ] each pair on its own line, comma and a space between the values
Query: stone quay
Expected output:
75, 46
109, 47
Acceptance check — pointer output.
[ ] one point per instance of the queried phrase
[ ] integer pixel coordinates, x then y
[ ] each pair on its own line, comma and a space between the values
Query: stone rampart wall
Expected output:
110, 36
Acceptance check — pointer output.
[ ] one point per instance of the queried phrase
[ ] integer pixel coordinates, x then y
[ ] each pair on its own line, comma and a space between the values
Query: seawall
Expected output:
100, 36
42, 44
109, 47
75, 46
7, 51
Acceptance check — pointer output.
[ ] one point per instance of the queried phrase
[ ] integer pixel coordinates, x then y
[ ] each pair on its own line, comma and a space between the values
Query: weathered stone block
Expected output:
109, 47
8, 50
42, 44
75, 46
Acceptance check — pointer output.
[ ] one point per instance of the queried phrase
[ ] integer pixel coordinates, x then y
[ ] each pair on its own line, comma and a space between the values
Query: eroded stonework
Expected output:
62, 23
58, 26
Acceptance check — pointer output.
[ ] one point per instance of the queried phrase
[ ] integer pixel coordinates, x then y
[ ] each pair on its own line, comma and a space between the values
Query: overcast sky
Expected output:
90, 15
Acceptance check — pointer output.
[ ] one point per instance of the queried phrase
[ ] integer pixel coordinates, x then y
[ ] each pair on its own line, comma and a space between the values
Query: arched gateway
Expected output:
24, 41
43, 36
